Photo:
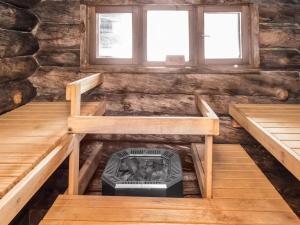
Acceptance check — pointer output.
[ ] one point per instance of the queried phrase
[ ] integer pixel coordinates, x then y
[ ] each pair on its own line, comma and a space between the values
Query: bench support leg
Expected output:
203, 160
208, 146
74, 168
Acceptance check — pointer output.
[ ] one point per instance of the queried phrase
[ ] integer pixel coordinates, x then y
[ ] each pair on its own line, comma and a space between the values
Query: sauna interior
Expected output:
149, 112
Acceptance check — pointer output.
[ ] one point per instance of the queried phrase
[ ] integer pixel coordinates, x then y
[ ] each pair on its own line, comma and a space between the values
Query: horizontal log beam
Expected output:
275, 11
64, 58
13, 18
66, 12
17, 68
176, 104
50, 80
58, 36
265, 83
51, 83
14, 94
23, 3
143, 125
280, 58
15, 43
279, 35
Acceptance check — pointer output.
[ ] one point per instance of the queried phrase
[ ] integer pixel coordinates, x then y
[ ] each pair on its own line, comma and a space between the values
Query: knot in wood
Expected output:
17, 97
282, 94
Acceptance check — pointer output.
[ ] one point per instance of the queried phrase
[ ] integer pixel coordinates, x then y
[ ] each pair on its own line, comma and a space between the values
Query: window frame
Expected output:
191, 32
244, 35
93, 36
250, 60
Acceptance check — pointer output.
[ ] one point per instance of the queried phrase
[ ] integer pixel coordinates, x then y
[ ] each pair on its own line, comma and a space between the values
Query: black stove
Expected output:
143, 172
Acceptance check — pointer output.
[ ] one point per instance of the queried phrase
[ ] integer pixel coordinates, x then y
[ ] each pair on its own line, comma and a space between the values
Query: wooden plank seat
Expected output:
276, 127
242, 195
34, 141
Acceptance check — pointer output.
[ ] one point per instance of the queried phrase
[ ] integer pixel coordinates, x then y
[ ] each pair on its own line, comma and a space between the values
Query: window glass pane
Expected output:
167, 34
114, 35
222, 35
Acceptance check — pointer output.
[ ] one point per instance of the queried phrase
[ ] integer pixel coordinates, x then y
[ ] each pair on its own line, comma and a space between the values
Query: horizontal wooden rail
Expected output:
204, 108
143, 125
85, 84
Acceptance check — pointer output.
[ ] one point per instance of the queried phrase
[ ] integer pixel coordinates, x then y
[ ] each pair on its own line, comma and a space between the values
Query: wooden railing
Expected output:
77, 88
203, 155
74, 91
207, 125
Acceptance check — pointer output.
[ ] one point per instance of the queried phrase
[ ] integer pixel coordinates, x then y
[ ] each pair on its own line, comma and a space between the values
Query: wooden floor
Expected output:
242, 195
28, 133
276, 127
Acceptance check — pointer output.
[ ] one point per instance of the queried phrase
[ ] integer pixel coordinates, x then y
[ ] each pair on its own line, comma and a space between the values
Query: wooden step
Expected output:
242, 195
139, 210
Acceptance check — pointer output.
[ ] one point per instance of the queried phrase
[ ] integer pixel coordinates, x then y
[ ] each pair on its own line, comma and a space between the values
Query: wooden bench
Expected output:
242, 195
34, 141
276, 127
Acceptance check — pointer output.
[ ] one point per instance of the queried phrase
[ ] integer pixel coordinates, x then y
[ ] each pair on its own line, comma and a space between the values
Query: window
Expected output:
111, 35
146, 36
163, 38
114, 35
222, 36
225, 35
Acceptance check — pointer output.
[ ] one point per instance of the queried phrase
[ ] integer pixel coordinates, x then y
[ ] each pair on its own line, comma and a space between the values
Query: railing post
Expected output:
73, 94
208, 161
75, 97
74, 167
74, 156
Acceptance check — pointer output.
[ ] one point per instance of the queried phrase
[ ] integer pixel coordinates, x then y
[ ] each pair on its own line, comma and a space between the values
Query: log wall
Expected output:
17, 47
53, 46
150, 94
